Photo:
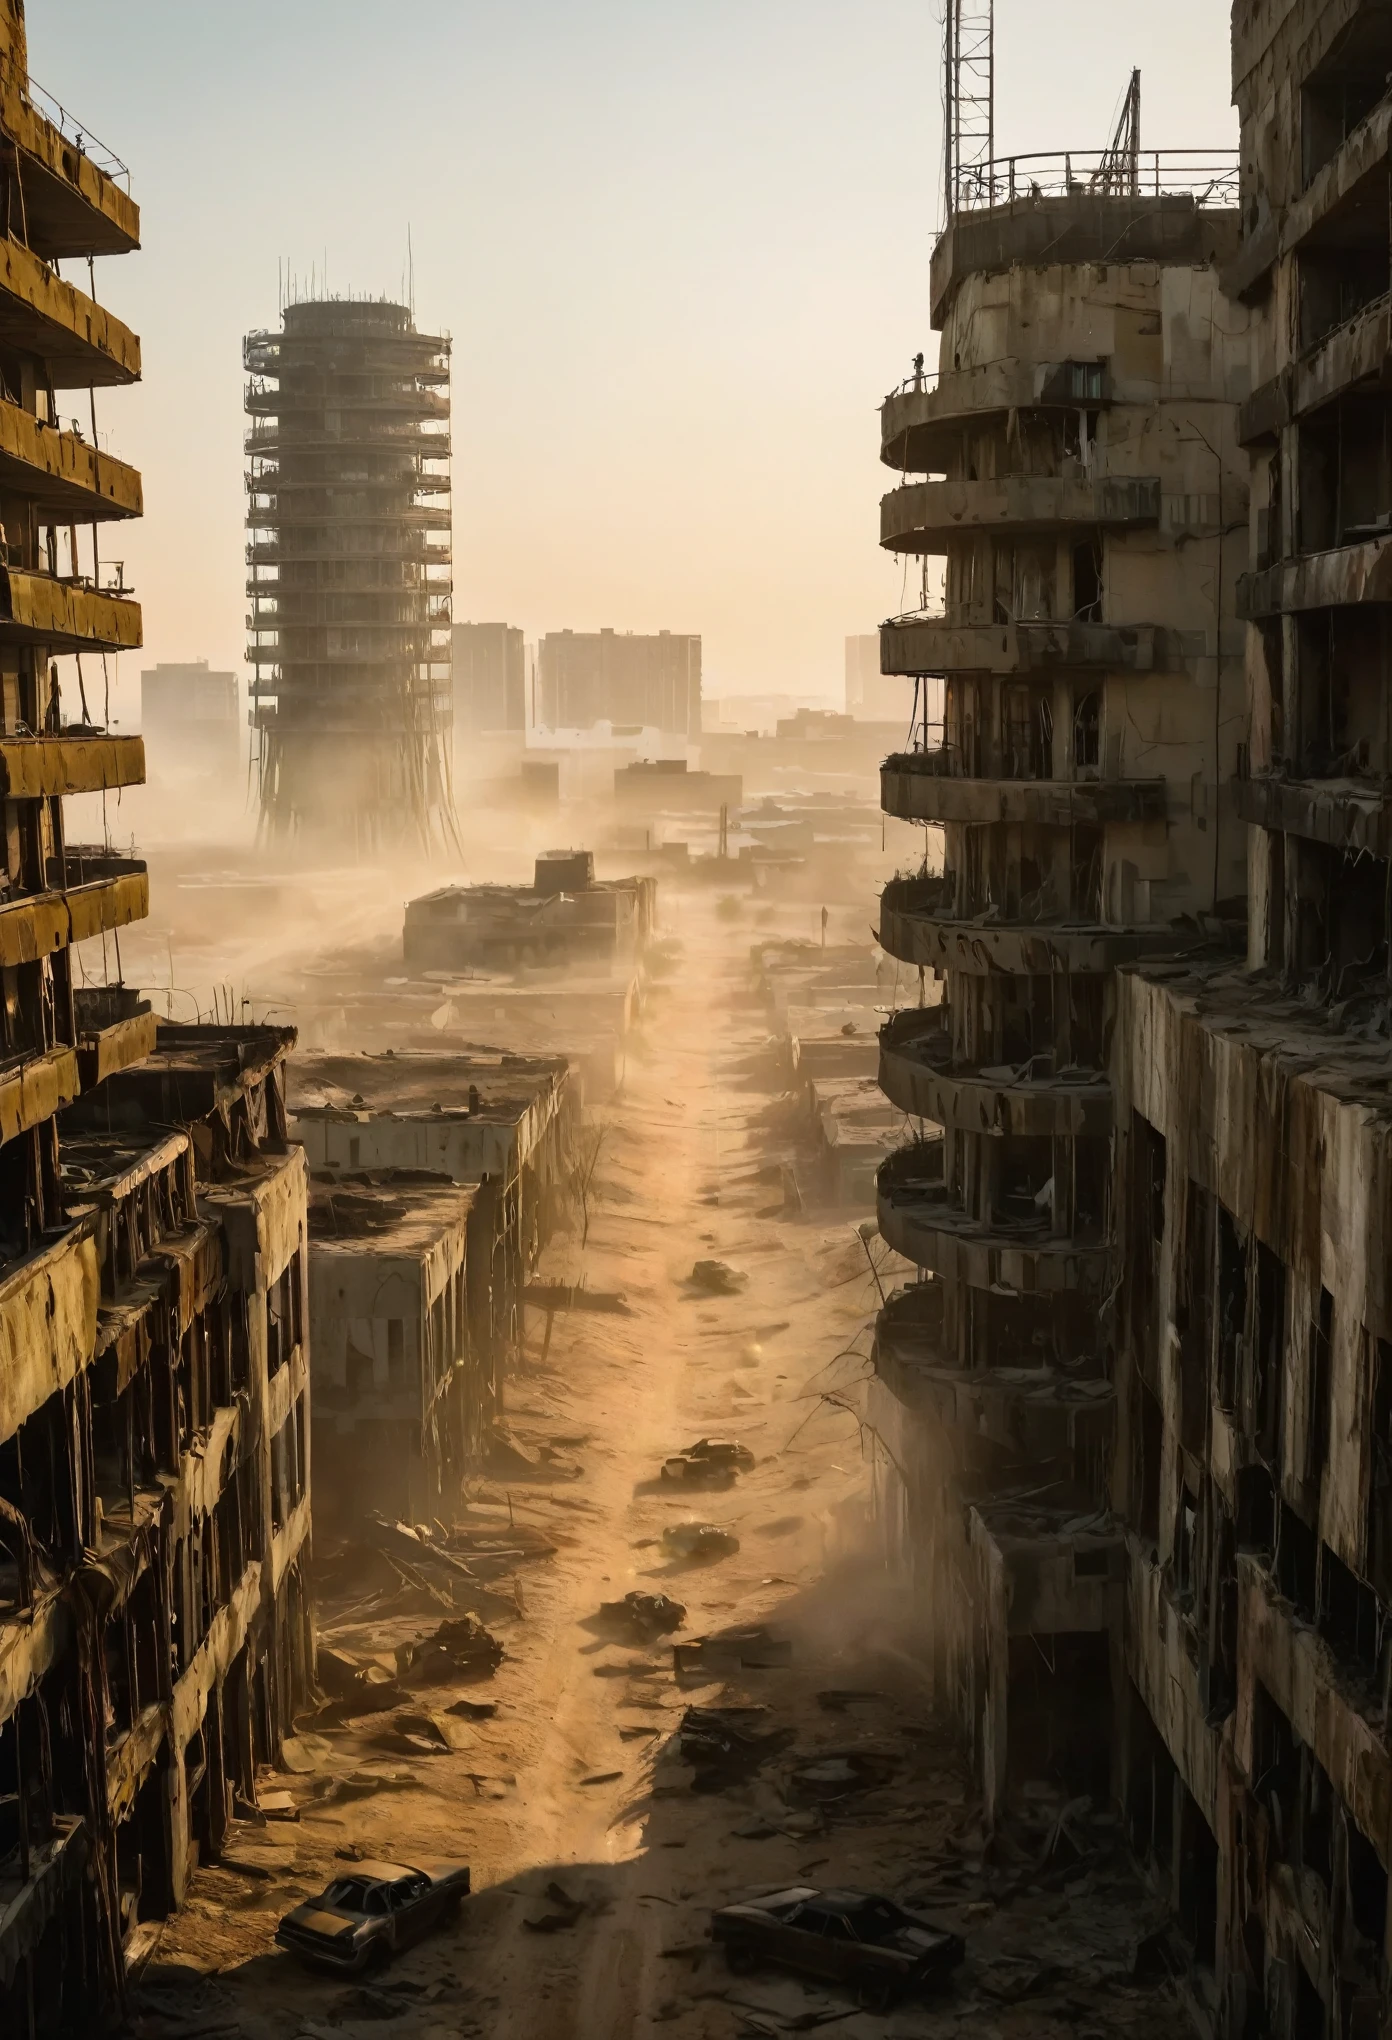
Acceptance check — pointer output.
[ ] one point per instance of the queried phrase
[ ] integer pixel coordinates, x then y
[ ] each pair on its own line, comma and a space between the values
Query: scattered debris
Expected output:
698, 1541
554, 1296
565, 1911
753, 1650
726, 1744
836, 1773
641, 1617
459, 1647
277, 1806
474, 1710
836, 1700
602, 1778
709, 1462
718, 1278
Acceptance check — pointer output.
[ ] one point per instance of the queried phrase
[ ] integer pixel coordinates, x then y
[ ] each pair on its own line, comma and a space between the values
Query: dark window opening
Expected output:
1367, 1885
1317, 1415
1193, 1308
1297, 1552
1269, 1338
1380, 1471
1150, 1788
1232, 1307
1198, 1882
1256, 1511
1149, 1450
1349, 1620
1087, 581
1147, 1232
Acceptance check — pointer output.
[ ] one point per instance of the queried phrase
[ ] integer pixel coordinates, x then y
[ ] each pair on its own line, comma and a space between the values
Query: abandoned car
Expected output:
849, 1937
362, 1918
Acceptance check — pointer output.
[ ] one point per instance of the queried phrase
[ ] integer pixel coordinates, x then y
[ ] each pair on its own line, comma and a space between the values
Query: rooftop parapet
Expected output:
1064, 207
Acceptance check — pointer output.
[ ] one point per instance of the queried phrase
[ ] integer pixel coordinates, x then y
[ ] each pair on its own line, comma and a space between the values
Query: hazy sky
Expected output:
682, 247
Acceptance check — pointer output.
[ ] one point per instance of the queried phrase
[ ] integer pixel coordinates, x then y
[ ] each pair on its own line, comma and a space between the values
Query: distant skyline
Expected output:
681, 245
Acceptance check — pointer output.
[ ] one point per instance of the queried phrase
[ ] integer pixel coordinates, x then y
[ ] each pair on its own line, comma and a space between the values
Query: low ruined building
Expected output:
667, 786
1254, 1164
349, 572
408, 1377
446, 1175
566, 915
481, 1116
1074, 469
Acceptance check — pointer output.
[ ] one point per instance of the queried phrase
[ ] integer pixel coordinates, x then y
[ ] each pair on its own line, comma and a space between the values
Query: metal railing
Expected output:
82, 138
1208, 176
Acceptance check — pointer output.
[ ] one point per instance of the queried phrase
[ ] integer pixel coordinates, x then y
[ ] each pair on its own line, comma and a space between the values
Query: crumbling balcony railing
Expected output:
1208, 176
81, 137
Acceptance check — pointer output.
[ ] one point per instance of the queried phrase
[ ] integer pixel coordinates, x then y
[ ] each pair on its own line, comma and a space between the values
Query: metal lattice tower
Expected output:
349, 567
1120, 171
970, 114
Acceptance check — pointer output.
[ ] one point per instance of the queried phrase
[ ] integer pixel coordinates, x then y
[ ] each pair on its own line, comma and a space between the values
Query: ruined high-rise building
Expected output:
154, 1459
350, 573
1074, 466
1254, 1187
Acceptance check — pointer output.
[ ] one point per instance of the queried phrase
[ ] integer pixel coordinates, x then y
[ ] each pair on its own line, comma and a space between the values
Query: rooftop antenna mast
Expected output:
970, 110
1119, 173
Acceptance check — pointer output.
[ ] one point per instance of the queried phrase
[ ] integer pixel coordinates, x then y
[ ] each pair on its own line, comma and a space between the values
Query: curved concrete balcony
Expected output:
922, 517
1348, 814
313, 546
82, 345
1334, 579
275, 353
931, 786
314, 526
1067, 1419
72, 205
63, 616
67, 479
935, 646
920, 1219
918, 427
917, 928
94, 892
919, 1075
36, 768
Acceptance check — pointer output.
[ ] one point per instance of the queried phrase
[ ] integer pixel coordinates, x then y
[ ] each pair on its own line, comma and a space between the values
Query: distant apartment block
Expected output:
873, 696
608, 676
490, 678
189, 715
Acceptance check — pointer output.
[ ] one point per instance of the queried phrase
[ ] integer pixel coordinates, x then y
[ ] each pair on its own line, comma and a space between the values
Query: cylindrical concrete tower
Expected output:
350, 573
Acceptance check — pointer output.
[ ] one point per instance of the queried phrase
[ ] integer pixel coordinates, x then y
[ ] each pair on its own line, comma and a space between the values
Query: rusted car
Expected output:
364, 1916
849, 1937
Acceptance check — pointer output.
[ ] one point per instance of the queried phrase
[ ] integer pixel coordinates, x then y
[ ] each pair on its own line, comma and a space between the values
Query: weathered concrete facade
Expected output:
1087, 497
1253, 1312
438, 1180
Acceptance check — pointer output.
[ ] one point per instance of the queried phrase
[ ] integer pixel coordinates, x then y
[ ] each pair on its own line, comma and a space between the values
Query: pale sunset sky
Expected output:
681, 245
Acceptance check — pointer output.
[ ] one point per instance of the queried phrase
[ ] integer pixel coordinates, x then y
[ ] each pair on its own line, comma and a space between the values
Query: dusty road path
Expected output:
595, 1863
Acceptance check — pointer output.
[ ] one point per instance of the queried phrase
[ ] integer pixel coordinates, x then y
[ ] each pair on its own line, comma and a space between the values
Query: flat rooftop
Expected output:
391, 1211
1333, 1048
413, 1083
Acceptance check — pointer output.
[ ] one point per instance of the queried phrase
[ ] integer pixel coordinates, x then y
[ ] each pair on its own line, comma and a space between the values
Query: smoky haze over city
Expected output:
695, 1149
